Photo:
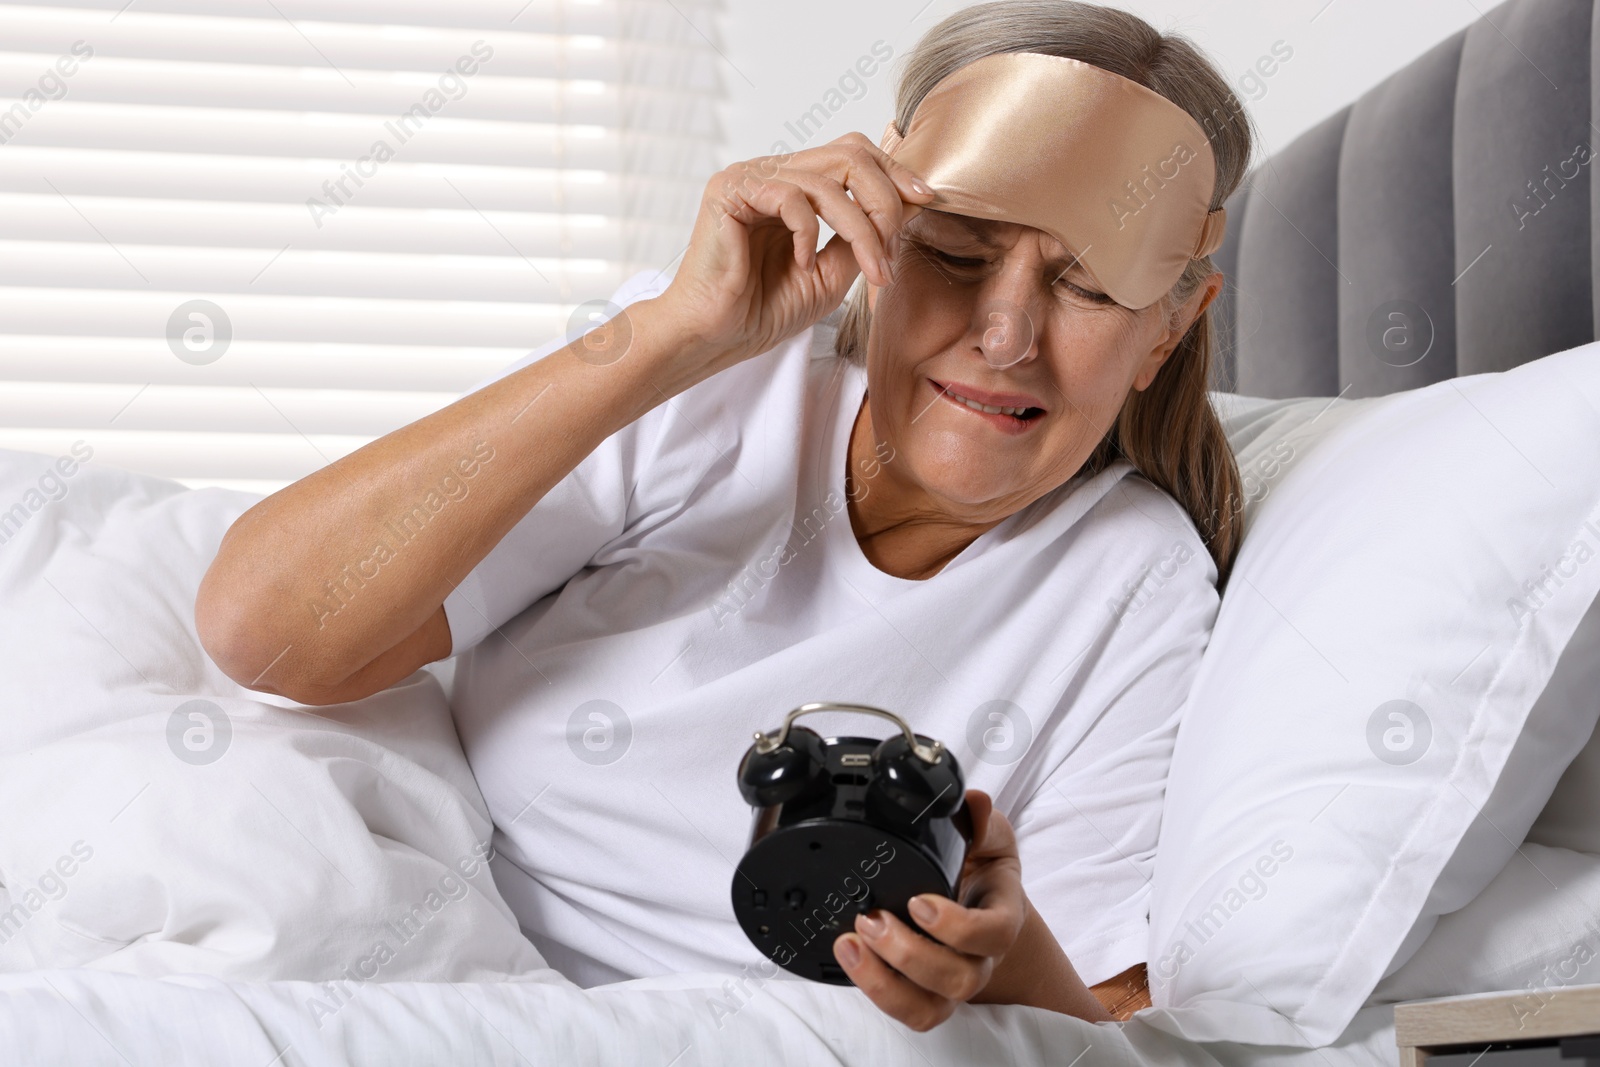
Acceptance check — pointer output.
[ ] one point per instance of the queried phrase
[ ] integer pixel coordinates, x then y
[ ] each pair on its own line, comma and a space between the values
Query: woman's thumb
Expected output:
838, 266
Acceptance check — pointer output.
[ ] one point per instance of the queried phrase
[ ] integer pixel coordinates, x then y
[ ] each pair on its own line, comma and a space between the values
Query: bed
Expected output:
321, 894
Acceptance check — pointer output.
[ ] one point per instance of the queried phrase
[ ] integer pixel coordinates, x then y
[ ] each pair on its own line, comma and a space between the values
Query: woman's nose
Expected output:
1007, 316
1006, 334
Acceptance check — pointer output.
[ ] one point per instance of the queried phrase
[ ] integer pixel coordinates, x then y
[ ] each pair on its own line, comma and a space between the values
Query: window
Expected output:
238, 241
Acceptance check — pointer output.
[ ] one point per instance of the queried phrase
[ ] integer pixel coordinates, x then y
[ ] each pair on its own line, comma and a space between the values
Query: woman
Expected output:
632, 541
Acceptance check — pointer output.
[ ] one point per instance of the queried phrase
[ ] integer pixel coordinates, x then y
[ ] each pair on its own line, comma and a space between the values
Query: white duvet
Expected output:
88, 1018
177, 822
199, 873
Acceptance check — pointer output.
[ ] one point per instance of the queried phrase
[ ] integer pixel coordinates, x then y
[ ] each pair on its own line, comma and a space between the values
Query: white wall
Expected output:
781, 59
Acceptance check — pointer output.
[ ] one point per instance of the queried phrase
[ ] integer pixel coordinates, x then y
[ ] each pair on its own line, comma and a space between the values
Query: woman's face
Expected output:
1001, 314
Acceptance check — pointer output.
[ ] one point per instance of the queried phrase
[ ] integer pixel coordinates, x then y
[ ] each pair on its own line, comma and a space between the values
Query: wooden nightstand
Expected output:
1555, 1026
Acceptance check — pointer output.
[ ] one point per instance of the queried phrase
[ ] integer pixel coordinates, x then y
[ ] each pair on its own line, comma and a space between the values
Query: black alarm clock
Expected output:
843, 825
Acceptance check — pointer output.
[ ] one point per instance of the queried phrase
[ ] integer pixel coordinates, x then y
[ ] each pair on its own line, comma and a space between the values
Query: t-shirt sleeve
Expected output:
1088, 834
564, 530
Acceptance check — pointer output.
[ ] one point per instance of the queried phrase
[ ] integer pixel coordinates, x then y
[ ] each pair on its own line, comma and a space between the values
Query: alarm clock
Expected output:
843, 825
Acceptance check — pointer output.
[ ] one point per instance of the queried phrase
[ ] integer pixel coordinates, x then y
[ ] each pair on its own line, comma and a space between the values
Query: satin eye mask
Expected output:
1117, 173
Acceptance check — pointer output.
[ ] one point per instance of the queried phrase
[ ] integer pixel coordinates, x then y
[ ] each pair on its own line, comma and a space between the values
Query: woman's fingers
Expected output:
919, 973
757, 213
917, 1007
888, 193
798, 197
911, 185
928, 964
849, 221
869, 217
898, 202
980, 806
987, 927
750, 201
854, 166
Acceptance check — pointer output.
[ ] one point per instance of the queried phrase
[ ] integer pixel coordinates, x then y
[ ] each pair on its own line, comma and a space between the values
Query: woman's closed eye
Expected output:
960, 262
964, 263
1088, 294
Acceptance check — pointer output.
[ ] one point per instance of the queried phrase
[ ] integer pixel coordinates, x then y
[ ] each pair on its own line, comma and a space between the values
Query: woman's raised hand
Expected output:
751, 277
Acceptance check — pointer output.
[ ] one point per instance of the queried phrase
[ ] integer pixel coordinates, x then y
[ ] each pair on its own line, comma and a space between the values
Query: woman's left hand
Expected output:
921, 981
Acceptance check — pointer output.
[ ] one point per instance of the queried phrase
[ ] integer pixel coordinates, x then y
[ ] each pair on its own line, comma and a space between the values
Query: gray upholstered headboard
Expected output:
1457, 193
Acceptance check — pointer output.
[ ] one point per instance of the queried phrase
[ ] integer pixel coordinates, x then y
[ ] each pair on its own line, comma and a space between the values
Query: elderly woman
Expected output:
987, 492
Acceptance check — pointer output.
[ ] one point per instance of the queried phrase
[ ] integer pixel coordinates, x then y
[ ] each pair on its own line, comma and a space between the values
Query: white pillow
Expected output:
1546, 770
1572, 818
1365, 684
1535, 925
1267, 436
161, 819
1534, 928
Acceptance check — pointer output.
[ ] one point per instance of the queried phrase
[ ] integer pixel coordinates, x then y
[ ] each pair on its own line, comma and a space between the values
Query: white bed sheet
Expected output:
89, 1018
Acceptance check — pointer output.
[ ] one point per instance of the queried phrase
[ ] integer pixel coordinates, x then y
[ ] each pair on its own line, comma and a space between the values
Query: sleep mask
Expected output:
1116, 172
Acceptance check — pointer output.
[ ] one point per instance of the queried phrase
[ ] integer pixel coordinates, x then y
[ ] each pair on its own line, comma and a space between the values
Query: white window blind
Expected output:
377, 203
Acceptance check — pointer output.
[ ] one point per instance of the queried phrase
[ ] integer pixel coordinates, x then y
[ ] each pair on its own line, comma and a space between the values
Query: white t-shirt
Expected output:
696, 577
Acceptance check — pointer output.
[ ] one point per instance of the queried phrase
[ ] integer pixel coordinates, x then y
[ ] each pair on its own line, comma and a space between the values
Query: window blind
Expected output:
240, 240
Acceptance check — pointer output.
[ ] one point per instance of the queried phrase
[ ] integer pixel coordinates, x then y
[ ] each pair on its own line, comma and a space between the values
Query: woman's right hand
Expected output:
751, 277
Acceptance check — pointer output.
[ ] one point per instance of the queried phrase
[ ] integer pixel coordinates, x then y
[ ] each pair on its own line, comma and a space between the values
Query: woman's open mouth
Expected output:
1007, 418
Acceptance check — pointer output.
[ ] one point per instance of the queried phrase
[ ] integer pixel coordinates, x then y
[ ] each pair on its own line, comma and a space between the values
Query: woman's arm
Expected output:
751, 278
489, 457
1037, 972
1126, 993
993, 948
